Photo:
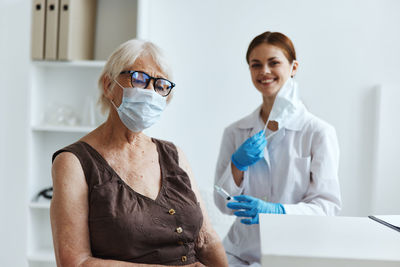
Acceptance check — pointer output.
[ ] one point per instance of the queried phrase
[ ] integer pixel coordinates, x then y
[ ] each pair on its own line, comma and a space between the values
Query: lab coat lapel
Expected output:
272, 142
266, 157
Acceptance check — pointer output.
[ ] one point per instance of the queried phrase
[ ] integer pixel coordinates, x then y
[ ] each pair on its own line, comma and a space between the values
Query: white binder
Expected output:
77, 24
38, 29
52, 17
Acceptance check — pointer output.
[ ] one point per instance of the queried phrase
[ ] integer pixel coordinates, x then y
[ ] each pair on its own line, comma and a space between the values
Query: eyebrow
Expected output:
157, 76
271, 58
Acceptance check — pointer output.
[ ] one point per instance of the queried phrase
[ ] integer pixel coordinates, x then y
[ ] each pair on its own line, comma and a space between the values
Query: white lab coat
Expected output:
299, 170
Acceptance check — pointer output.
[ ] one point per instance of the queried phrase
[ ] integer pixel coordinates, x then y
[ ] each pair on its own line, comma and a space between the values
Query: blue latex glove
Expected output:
251, 151
250, 207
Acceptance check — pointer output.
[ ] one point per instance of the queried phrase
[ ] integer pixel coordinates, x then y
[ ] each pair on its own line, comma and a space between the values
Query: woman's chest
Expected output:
142, 173
285, 172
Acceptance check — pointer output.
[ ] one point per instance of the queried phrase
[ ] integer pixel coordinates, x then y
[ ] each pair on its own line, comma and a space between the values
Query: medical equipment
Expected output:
140, 108
222, 192
286, 102
46, 193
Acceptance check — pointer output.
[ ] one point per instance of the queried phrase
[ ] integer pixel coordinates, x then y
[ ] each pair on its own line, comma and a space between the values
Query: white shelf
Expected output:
65, 129
39, 205
73, 85
78, 63
43, 255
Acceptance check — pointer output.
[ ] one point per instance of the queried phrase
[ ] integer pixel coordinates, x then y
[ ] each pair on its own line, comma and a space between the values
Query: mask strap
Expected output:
118, 83
112, 102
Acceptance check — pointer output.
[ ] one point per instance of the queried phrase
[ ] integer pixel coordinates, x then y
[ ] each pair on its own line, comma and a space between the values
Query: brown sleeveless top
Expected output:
127, 226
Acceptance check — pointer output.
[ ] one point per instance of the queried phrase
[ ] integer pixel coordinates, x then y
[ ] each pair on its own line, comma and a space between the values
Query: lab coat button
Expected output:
179, 230
171, 211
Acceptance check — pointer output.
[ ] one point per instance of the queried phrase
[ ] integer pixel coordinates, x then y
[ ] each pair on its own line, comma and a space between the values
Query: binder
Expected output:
77, 24
38, 29
51, 44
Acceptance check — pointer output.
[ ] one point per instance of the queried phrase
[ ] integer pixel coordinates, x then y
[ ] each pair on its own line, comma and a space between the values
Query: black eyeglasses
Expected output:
141, 79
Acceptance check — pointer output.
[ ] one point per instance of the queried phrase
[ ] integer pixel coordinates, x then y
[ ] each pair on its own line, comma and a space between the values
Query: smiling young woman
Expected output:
270, 57
288, 168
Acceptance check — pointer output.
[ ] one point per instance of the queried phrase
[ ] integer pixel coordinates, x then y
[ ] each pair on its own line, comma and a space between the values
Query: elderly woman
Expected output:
120, 197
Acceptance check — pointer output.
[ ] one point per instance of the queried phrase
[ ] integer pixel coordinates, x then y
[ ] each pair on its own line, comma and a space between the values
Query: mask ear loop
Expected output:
112, 102
266, 124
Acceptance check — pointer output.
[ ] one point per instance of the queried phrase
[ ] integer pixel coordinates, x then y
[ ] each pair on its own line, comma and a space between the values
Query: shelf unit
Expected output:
68, 89
65, 129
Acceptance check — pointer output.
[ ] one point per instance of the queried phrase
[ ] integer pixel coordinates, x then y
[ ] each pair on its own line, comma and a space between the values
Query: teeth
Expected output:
267, 81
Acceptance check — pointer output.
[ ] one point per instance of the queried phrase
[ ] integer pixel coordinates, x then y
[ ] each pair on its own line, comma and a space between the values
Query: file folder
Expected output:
77, 24
38, 29
52, 16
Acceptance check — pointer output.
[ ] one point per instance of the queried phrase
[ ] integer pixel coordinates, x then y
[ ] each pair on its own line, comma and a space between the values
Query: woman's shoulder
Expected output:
166, 143
245, 122
315, 124
65, 164
166, 148
72, 150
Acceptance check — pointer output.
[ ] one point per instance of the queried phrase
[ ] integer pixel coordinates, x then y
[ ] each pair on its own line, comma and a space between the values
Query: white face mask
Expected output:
140, 108
286, 102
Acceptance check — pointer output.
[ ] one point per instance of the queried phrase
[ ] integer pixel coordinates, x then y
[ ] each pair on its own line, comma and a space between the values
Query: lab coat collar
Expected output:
250, 120
296, 123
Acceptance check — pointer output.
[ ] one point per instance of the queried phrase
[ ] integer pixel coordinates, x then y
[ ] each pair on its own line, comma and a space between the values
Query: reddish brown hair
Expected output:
273, 38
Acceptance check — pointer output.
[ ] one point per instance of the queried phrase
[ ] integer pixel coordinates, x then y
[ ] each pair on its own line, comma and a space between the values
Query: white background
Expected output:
346, 49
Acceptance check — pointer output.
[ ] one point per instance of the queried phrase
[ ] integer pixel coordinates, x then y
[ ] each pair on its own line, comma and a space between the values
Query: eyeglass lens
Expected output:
141, 80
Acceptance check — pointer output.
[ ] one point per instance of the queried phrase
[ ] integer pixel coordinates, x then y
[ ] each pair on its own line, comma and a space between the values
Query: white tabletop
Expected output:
339, 239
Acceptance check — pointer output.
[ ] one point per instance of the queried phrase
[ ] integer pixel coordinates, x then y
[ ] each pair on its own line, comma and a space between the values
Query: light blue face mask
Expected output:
286, 102
140, 108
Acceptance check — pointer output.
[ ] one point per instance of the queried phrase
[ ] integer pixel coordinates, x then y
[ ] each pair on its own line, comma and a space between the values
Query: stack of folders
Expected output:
63, 29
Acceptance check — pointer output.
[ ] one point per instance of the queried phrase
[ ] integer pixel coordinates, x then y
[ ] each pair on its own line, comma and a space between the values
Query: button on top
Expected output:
179, 230
171, 211
184, 258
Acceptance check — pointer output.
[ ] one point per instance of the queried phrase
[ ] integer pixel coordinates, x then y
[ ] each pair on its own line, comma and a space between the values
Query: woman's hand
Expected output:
209, 249
250, 207
251, 151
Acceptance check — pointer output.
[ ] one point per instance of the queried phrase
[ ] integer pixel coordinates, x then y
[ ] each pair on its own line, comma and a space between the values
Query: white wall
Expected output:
385, 193
14, 69
345, 48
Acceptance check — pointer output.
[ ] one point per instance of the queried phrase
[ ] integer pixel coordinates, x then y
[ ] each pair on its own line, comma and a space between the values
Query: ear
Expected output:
295, 68
107, 87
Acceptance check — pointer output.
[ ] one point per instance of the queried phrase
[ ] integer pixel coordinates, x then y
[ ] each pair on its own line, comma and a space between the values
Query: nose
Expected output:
265, 69
150, 86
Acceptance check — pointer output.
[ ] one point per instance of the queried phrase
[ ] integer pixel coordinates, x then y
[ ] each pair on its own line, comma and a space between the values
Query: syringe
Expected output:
222, 192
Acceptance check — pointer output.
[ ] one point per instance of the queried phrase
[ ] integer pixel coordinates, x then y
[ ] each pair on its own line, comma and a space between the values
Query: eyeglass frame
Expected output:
151, 78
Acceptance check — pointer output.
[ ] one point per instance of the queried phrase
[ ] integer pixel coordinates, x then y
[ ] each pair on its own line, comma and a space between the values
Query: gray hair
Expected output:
126, 55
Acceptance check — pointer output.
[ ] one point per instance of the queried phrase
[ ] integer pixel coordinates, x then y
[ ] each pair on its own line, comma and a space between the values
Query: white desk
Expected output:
322, 241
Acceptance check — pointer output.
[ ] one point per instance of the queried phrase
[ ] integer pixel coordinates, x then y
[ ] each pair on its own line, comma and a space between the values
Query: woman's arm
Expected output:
227, 175
69, 216
209, 248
